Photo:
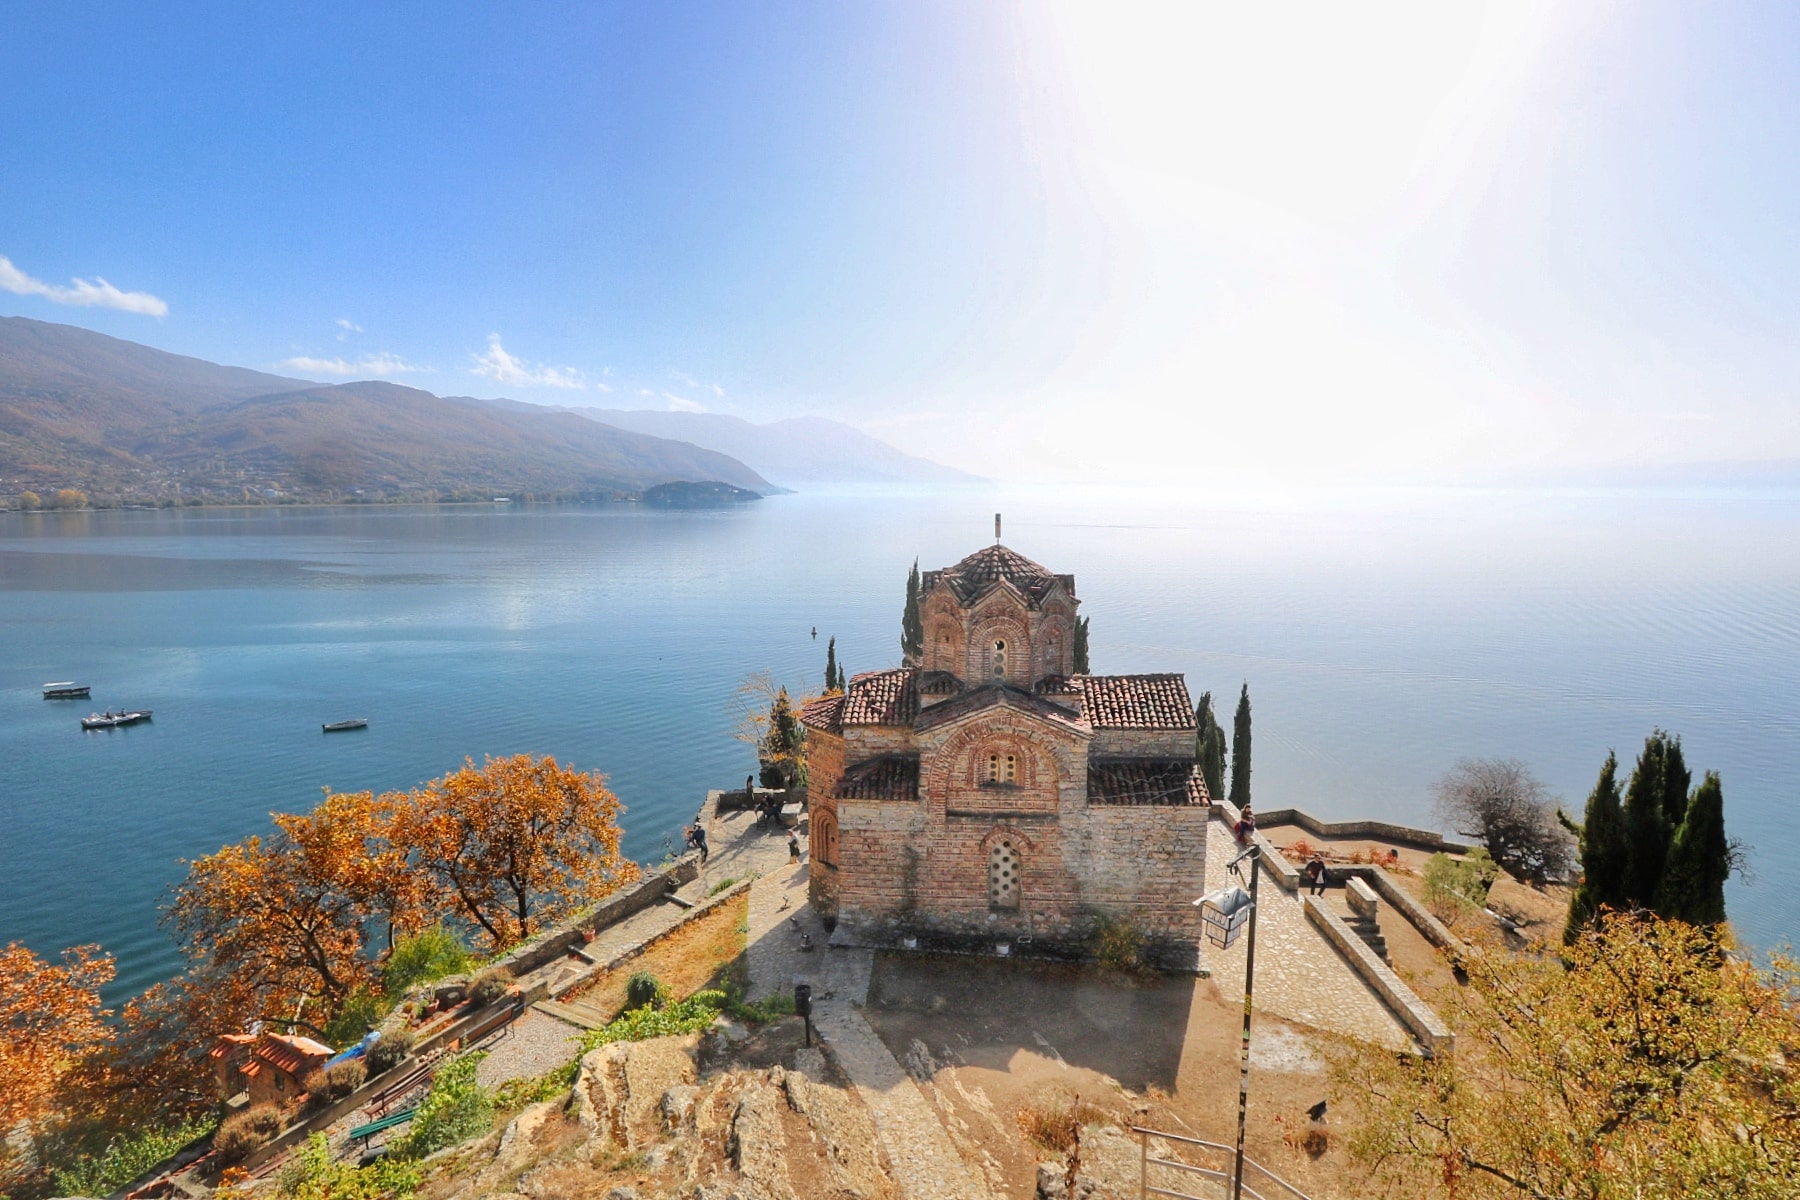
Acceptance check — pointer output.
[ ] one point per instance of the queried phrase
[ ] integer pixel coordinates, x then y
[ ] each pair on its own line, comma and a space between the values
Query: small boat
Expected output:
65, 691
346, 726
113, 720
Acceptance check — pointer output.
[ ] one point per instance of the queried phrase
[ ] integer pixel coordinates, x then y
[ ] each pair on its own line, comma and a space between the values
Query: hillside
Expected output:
795, 451
116, 419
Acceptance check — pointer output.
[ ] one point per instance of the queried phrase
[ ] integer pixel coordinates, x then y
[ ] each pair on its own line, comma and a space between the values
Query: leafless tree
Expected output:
1500, 802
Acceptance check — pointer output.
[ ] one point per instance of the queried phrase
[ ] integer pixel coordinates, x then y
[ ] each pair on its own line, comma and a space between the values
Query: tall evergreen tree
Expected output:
831, 666
1240, 750
1650, 798
1209, 746
1693, 881
782, 753
912, 625
1604, 852
1081, 646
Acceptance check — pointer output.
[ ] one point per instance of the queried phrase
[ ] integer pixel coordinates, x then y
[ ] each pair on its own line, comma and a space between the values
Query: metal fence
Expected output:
1271, 1186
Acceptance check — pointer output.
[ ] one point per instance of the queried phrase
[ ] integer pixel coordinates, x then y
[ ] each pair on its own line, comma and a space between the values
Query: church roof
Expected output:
1136, 701
890, 777
826, 713
975, 575
882, 698
1174, 782
991, 694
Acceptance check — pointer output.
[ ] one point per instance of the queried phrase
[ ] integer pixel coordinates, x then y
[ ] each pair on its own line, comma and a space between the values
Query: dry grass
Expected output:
685, 961
1054, 1126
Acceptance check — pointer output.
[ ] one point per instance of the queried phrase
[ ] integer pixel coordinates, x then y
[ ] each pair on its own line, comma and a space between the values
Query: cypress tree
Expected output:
1081, 646
1693, 882
1647, 805
831, 666
1603, 852
1209, 746
1240, 751
912, 625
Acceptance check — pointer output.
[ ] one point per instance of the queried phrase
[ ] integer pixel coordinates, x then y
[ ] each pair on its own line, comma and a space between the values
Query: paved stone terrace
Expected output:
1299, 975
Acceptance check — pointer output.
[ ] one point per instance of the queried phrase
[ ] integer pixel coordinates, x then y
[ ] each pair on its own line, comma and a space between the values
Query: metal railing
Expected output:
1267, 1177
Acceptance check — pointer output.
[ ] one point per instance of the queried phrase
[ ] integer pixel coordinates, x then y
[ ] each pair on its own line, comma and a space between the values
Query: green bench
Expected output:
362, 1133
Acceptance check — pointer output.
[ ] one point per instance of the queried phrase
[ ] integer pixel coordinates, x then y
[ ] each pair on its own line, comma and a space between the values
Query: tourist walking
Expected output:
1315, 874
793, 847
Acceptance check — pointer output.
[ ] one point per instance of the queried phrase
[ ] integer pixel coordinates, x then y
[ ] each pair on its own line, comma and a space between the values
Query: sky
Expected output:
1063, 241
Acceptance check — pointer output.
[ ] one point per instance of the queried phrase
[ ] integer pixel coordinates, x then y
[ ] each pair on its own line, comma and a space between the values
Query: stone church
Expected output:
986, 797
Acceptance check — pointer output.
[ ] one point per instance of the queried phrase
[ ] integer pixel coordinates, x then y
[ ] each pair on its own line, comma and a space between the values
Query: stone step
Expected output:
575, 1012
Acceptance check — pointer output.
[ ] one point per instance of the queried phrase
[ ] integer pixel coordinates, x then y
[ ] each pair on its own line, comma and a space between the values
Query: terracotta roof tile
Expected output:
294, 1055
891, 777
939, 683
1151, 781
882, 698
971, 578
826, 713
1136, 701
989, 695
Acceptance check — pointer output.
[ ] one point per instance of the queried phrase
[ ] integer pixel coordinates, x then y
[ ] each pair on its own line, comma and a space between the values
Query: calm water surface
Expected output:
1383, 635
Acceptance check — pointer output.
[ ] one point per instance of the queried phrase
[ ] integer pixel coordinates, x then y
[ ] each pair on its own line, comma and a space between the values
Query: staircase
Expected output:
1364, 917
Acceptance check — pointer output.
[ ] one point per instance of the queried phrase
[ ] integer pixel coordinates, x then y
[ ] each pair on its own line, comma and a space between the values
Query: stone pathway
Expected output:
1299, 974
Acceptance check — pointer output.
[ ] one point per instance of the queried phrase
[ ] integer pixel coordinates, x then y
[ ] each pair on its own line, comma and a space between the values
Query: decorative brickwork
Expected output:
991, 798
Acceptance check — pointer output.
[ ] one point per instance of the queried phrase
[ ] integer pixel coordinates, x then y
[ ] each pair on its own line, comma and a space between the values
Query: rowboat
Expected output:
345, 726
113, 720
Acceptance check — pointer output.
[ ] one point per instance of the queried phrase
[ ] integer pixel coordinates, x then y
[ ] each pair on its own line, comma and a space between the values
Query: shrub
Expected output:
362, 1009
314, 1175
424, 957
1054, 1127
243, 1132
644, 988
722, 885
388, 1050
1455, 886
335, 1082
1118, 946
126, 1157
456, 1109
489, 986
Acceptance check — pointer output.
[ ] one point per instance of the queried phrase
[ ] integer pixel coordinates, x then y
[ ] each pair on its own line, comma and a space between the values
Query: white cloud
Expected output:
376, 366
682, 403
503, 368
84, 293
718, 391
347, 323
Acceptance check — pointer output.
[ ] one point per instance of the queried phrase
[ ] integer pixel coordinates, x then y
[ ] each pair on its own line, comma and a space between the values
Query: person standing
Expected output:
1315, 874
793, 847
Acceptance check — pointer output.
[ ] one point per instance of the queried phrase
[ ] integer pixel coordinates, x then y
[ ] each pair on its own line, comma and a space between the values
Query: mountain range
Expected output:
130, 423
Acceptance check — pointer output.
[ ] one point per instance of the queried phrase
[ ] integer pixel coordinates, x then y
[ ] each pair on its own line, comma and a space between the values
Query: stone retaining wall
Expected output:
1414, 1013
1405, 835
550, 946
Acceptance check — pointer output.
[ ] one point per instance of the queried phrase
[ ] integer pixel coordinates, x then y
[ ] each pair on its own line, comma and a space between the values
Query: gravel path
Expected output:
533, 1045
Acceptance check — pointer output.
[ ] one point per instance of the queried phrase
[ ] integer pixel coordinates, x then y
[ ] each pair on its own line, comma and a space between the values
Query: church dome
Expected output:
974, 575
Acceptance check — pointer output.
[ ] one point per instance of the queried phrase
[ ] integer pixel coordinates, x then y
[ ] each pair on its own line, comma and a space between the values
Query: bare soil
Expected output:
990, 1039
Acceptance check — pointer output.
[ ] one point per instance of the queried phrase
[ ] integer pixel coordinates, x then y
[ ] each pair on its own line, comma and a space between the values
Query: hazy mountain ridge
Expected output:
80, 409
797, 450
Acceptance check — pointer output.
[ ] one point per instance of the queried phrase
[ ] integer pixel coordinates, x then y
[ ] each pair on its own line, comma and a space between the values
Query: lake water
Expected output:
1383, 635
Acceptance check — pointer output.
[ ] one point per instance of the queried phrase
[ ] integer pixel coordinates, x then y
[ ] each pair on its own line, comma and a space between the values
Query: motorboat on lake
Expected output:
346, 726
65, 691
113, 720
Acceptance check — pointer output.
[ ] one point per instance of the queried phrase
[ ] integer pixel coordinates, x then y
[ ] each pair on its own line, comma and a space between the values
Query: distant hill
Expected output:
82, 410
795, 451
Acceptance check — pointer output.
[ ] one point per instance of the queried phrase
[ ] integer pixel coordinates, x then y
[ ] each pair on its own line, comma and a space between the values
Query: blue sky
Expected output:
1300, 243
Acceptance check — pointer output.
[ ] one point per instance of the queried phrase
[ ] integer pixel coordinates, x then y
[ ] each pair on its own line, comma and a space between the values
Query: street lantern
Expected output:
1224, 913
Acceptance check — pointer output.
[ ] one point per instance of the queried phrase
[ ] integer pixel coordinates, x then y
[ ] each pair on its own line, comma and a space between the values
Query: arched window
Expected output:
1003, 875
1002, 768
993, 768
999, 660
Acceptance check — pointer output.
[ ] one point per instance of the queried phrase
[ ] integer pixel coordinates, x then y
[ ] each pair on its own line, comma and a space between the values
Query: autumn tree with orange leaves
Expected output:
50, 1017
284, 921
515, 845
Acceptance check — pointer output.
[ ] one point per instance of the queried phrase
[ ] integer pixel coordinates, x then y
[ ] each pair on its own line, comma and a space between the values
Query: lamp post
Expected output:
1224, 914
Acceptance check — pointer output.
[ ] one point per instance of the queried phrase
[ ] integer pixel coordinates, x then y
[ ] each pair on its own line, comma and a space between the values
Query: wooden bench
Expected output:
362, 1133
